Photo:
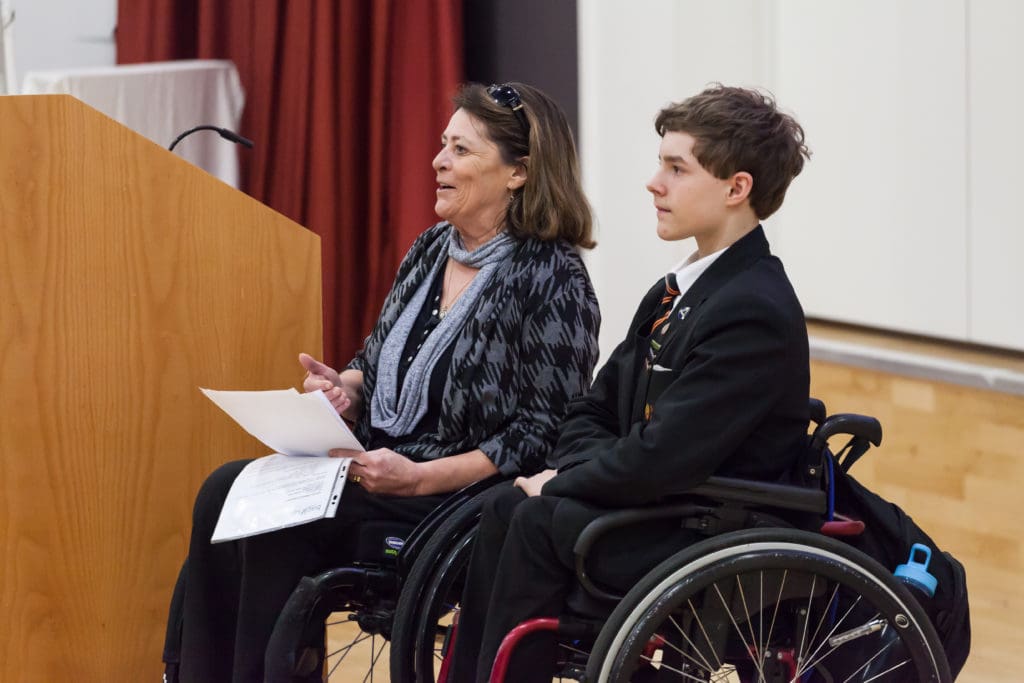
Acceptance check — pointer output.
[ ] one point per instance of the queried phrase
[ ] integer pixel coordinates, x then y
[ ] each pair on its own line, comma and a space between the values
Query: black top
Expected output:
426, 322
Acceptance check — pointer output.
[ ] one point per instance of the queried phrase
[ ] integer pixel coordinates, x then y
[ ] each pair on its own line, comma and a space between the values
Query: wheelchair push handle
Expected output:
857, 426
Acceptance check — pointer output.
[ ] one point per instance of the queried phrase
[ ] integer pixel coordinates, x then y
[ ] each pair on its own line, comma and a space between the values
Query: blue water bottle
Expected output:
922, 583
915, 574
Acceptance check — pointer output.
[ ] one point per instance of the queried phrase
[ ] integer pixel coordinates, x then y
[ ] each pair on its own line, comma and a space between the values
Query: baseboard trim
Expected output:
920, 366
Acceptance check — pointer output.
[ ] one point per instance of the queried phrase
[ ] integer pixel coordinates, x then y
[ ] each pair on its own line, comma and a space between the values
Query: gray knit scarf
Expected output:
398, 413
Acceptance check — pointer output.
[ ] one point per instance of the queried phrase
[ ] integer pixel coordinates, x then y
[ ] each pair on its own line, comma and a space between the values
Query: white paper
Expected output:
287, 421
279, 491
293, 486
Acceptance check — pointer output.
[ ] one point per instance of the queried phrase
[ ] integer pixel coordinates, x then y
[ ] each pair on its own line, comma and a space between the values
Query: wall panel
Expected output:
995, 56
875, 228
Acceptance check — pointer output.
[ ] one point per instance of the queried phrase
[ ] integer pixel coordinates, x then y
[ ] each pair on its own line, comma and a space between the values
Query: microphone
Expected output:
223, 132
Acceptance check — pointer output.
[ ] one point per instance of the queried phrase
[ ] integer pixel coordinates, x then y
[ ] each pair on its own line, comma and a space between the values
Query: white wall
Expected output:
878, 223
59, 34
995, 96
903, 219
6, 50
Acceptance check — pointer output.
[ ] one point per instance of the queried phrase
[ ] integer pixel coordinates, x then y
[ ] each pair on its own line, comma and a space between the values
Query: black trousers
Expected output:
234, 591
522, 567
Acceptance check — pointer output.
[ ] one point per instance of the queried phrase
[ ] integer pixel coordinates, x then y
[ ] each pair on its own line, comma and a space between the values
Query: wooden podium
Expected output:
128, 278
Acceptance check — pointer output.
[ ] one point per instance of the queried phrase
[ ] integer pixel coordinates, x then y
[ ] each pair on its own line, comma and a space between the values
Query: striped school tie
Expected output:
660, 326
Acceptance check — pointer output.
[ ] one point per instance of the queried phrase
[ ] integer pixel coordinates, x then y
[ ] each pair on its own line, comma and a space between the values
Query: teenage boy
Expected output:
711, 379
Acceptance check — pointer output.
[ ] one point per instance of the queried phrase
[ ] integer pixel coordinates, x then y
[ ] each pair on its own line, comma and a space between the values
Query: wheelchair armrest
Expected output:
855, 425
725, 489
614, 520
780, 496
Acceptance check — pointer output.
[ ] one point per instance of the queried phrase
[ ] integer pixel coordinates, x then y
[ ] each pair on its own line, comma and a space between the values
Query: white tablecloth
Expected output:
160, 100
6, 48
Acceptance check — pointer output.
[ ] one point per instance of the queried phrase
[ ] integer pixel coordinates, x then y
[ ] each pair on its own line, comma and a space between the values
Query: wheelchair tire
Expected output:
430, 593
333, 628
829, 613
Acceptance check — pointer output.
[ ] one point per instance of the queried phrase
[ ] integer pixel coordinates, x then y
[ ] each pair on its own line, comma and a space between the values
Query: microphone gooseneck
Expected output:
223, 132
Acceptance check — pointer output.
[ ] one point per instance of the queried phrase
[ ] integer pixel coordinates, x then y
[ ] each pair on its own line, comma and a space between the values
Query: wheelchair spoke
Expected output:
572, 649
703, 666
359, 638
760, 612
870, 627
683, 674
824, 615
707, 638
758, 652
341, 666
887, 671
813, 659
778, 602
704, 663
687, 656
807, 621
375, 655
739, 632
868, 662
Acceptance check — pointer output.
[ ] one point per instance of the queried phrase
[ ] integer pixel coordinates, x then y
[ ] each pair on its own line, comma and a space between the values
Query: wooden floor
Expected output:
952, 457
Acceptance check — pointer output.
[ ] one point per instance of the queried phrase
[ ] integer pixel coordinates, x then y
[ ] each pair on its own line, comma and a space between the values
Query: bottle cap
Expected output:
917, 572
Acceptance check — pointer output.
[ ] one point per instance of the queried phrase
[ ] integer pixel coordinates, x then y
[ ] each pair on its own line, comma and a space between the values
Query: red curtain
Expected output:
345, 101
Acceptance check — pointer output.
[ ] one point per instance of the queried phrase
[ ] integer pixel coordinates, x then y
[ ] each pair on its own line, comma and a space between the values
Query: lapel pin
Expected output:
683, 311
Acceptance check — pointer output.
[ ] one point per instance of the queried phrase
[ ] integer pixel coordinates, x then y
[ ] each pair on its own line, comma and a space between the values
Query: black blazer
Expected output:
729, 392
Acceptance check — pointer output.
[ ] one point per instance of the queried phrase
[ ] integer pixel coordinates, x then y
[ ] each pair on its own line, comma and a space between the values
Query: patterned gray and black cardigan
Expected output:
528, 350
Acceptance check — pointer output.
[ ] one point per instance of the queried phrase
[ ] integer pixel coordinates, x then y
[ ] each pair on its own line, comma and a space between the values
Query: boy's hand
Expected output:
531, 486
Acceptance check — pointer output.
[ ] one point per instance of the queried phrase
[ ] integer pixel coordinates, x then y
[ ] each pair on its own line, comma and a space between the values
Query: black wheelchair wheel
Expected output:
430, 594
351, 653
769, 605
334, 627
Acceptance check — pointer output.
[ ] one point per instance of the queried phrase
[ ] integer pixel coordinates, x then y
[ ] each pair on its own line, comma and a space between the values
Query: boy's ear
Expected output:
518, 178
740, 185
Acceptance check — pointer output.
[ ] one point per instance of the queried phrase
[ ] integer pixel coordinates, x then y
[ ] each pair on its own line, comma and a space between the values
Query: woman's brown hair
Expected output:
551, 204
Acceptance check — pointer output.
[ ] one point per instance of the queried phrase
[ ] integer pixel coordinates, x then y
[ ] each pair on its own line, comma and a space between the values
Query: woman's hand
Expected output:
344, 391
382, 471
532, 485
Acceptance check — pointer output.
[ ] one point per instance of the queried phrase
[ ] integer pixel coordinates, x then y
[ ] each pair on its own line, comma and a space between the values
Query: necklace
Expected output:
442, 311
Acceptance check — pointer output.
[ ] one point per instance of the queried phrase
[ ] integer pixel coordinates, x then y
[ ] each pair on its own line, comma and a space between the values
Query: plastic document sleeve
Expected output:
280, 491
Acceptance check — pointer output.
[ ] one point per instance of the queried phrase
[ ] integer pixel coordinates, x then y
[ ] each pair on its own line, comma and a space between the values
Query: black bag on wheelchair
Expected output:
888, 536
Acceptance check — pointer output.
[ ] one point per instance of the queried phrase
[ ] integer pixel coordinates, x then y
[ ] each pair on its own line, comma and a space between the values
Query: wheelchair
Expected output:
758, 600
358, 600
365, 603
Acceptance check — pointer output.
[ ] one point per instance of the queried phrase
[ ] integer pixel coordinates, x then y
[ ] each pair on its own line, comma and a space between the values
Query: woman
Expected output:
489, 330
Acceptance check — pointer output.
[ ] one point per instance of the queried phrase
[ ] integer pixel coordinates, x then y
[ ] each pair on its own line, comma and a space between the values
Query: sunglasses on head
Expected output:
507, 96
